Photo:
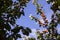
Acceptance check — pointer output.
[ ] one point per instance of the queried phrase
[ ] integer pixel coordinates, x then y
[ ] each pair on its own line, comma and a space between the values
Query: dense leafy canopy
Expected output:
10, 11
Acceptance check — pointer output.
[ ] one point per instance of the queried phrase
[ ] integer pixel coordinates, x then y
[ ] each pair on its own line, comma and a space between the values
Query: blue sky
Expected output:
31, 9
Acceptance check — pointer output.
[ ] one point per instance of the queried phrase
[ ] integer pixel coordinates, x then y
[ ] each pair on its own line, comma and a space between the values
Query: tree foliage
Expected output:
52, 26
9, 12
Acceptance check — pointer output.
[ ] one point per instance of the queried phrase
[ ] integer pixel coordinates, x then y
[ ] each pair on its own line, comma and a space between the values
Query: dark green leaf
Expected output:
25, 32
16, 29
29, 30
7, 26
21, 27
18, 35
22, 12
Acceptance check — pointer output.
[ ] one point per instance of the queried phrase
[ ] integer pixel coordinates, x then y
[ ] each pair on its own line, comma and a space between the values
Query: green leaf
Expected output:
16, 29
2, 32
29, 30
7, 27
18, 35
25, 32
21, 27
12, 22
22, 12
19, 15
58, 2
